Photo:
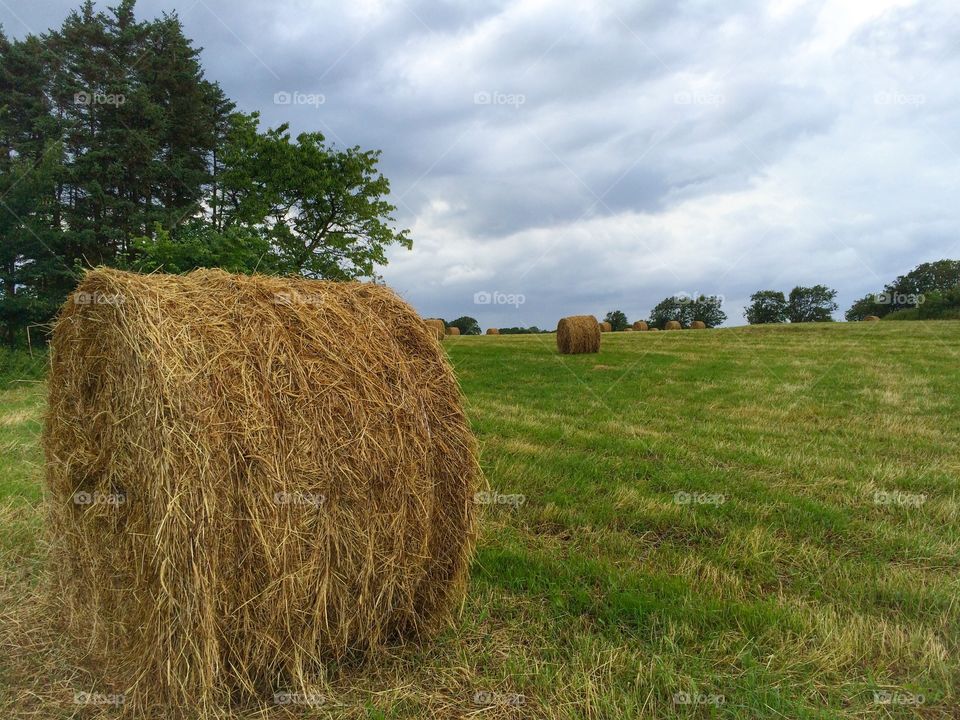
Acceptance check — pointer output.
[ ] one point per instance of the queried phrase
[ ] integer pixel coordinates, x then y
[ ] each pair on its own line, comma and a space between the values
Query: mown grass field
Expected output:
752, 522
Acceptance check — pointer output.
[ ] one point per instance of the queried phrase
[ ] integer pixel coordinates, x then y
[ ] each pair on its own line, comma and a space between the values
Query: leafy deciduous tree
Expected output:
617, 320
811, 304
467, 325
767, 306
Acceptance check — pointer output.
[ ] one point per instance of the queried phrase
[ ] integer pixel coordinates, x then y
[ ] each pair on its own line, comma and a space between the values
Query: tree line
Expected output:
116, 150
929, 291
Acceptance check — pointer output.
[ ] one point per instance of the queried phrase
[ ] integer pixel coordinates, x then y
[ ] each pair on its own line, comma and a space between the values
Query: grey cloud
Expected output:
735, 146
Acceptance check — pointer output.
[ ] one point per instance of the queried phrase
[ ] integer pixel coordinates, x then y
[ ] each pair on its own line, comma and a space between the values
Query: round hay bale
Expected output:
698, 325
453, 331
672, 325
249, 476
628, 329
606, 327
437, 326
641, 326
871, 318
493, 331
578, 334
654, 329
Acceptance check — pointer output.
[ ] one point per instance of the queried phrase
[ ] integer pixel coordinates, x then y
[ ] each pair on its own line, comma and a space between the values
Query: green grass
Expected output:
796, 591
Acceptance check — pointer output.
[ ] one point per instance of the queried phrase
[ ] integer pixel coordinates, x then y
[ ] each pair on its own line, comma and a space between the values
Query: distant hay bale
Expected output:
654, 329
438, 326
606, 327
871, 318
453, 330
641, 326
248, 477
578, 334
493, 331
672, 325
698, 325
628, 329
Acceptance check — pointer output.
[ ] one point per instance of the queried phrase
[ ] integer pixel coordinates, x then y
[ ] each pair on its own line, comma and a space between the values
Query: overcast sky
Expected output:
585, 157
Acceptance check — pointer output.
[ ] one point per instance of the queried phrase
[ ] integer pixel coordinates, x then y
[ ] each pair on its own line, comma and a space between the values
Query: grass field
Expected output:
752, 522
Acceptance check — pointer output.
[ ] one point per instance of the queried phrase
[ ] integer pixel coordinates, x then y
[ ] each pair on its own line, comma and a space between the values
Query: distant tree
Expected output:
812, 304
941, 275
671, 308
868, 305
617, 320
532, 330
910, 290
706, 309
467, 325
684, 309
767, 306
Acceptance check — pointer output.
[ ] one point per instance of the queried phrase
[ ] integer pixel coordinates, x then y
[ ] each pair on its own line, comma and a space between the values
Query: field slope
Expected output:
752, 522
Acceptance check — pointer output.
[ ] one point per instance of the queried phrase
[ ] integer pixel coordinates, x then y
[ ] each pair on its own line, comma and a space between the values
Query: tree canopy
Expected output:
706, 308
811, 304
767, 306
617, 320
116, 150
934, 279
467, 325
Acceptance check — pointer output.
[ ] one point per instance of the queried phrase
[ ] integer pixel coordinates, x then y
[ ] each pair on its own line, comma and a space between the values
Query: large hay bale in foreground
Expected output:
672, 325
606, 327
453, 330
437, 326
871, 318
493, 331
578, 334
248, 476
641, 326
698, 325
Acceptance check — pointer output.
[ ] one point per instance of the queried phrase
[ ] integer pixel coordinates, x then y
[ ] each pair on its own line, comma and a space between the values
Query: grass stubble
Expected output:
752, 522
